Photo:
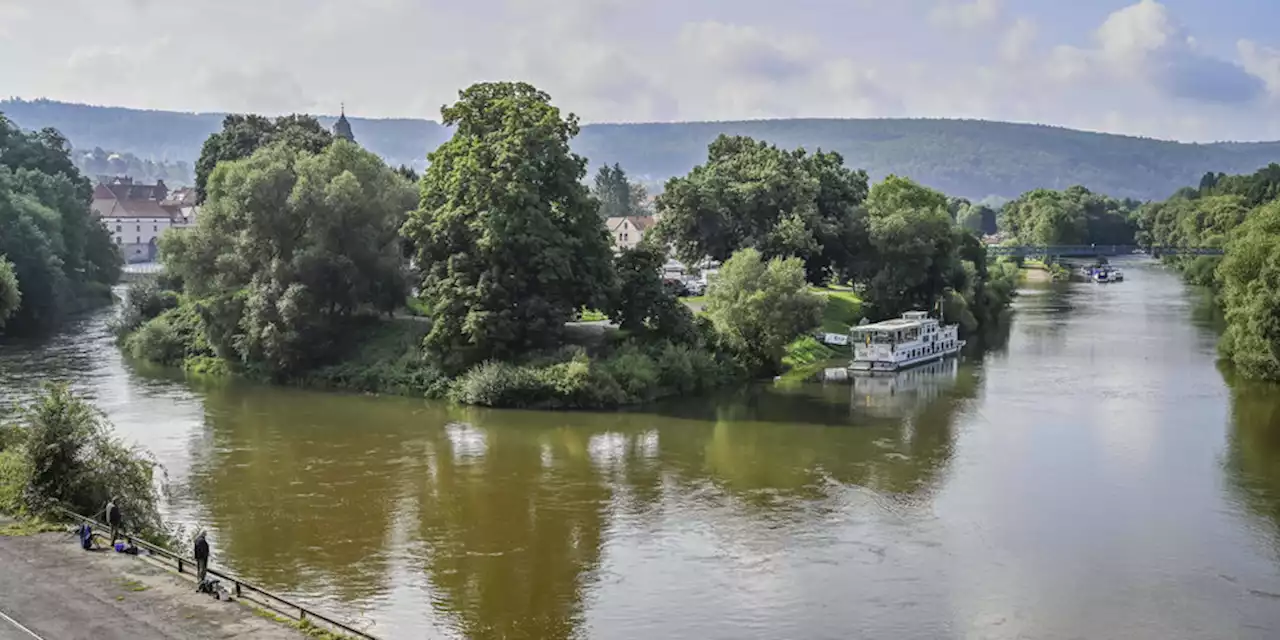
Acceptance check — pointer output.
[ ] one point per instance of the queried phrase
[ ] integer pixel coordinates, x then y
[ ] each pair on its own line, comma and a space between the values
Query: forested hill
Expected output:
974, 159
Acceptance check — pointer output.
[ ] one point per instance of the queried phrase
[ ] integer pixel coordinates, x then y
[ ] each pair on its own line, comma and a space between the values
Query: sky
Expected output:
1195, 70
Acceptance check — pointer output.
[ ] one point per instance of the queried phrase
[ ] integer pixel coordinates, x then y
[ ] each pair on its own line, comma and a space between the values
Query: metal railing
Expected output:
239, 585
1098, 249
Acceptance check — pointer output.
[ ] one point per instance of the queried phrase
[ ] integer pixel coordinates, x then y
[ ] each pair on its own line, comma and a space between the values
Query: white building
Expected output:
138, 214
629, 230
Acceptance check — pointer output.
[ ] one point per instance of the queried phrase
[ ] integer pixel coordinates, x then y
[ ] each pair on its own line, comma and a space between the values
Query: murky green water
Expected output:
1094, 478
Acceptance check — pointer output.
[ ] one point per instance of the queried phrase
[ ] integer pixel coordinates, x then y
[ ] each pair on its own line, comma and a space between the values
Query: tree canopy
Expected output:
913, 247
289, 245
751, 194
10, 295
61, 256
1250, 277
760, 306
618, 196
1071, 217
241, 135
509, 241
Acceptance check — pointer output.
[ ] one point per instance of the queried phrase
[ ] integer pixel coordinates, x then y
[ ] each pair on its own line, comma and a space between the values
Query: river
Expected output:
1095, 477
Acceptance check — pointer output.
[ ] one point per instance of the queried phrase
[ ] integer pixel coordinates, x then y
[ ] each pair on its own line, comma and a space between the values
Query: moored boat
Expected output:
897, 344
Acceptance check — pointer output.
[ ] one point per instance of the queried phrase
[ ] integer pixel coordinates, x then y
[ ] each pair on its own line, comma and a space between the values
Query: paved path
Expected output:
59, 592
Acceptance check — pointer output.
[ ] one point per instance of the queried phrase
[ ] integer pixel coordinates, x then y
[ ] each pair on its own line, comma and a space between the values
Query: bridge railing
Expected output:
239, 586
1096, 250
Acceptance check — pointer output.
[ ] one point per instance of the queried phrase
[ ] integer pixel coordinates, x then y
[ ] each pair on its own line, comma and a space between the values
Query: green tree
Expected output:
753, 194
979, 219
613, 191
760, 306
1250, 276
74, 461
242, 135
509, 241
643, 304
913, 247
61, 255
289, 246
10, 295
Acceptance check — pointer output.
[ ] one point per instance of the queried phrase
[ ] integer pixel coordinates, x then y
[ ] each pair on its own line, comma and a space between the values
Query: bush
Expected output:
14, 471
172, 339
499, 384
73, 460
144, 300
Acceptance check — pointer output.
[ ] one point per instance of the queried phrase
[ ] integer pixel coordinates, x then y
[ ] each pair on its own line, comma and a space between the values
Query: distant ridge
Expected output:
970, 158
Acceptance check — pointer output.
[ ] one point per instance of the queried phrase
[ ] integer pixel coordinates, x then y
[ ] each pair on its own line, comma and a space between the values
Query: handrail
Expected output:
240, 584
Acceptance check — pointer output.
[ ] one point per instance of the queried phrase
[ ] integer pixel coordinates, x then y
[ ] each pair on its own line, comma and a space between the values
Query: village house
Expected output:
137, 214
627, 231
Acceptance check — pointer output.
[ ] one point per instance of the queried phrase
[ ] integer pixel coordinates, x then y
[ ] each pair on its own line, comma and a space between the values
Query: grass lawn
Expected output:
843, 310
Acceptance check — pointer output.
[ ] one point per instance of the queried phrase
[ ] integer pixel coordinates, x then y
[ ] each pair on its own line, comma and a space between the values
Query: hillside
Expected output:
974, 159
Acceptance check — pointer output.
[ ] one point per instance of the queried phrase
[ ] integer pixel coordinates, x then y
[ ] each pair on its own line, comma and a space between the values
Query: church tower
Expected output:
342, 128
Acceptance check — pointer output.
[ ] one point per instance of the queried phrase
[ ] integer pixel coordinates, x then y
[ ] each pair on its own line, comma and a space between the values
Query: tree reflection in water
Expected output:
509, 513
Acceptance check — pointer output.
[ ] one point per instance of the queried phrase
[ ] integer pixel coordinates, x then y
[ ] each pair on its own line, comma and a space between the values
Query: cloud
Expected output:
1145, 41
1145, 46
1017, 40
1263, 62
966, 15
1139, 71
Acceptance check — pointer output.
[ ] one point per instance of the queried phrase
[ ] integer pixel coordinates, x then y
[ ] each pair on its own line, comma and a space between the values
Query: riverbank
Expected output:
54, 589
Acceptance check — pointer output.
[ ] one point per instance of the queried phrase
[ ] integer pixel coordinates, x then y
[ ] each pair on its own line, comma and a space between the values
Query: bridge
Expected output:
1091, 250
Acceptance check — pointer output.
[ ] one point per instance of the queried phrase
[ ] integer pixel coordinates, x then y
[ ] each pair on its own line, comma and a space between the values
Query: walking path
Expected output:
51, 589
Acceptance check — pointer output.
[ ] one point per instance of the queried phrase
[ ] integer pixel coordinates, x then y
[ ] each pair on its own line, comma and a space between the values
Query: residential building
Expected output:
137, 214
627, 231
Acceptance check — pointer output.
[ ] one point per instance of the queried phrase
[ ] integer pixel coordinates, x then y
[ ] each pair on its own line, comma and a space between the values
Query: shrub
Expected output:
499, 384
73, 460
171, 339
635, 373
14, 471
144, 300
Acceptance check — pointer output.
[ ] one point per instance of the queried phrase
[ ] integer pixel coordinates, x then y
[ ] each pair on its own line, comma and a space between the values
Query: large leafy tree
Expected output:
642, 303
618, 196
913, 247
509, 240
760, 306
241, 135
288, 247
1073, 216
753, 194
61, 255
1250, 276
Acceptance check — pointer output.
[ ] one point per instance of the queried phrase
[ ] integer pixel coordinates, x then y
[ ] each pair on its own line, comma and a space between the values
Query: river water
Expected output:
1095, 477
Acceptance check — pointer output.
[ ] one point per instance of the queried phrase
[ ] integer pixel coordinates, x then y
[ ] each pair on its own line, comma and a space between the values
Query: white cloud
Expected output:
965, 14
1017, 40
1263, 62
611, 60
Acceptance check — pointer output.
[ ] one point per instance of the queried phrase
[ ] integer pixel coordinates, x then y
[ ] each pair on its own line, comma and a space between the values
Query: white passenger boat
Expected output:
892, 345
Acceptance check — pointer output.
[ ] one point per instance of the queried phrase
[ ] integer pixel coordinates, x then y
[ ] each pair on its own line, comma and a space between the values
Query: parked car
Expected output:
695, 286
676, 286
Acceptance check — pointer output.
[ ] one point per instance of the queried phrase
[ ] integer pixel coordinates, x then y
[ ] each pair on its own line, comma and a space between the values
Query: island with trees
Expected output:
296, 271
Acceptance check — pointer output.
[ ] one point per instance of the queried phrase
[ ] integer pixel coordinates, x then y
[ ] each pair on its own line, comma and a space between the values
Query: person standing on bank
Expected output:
202, 557
114, 519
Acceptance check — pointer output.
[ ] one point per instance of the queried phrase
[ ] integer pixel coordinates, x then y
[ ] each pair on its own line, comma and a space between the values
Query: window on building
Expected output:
119, 228
138, 240
119, 240
155, 227
139, 228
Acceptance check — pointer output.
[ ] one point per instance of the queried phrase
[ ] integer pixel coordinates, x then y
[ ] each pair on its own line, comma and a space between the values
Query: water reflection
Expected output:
1093, 478
506, 514
1253, 451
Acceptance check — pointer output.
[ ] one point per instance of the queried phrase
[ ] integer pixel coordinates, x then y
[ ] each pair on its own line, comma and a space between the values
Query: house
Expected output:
137, 214
628, 230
